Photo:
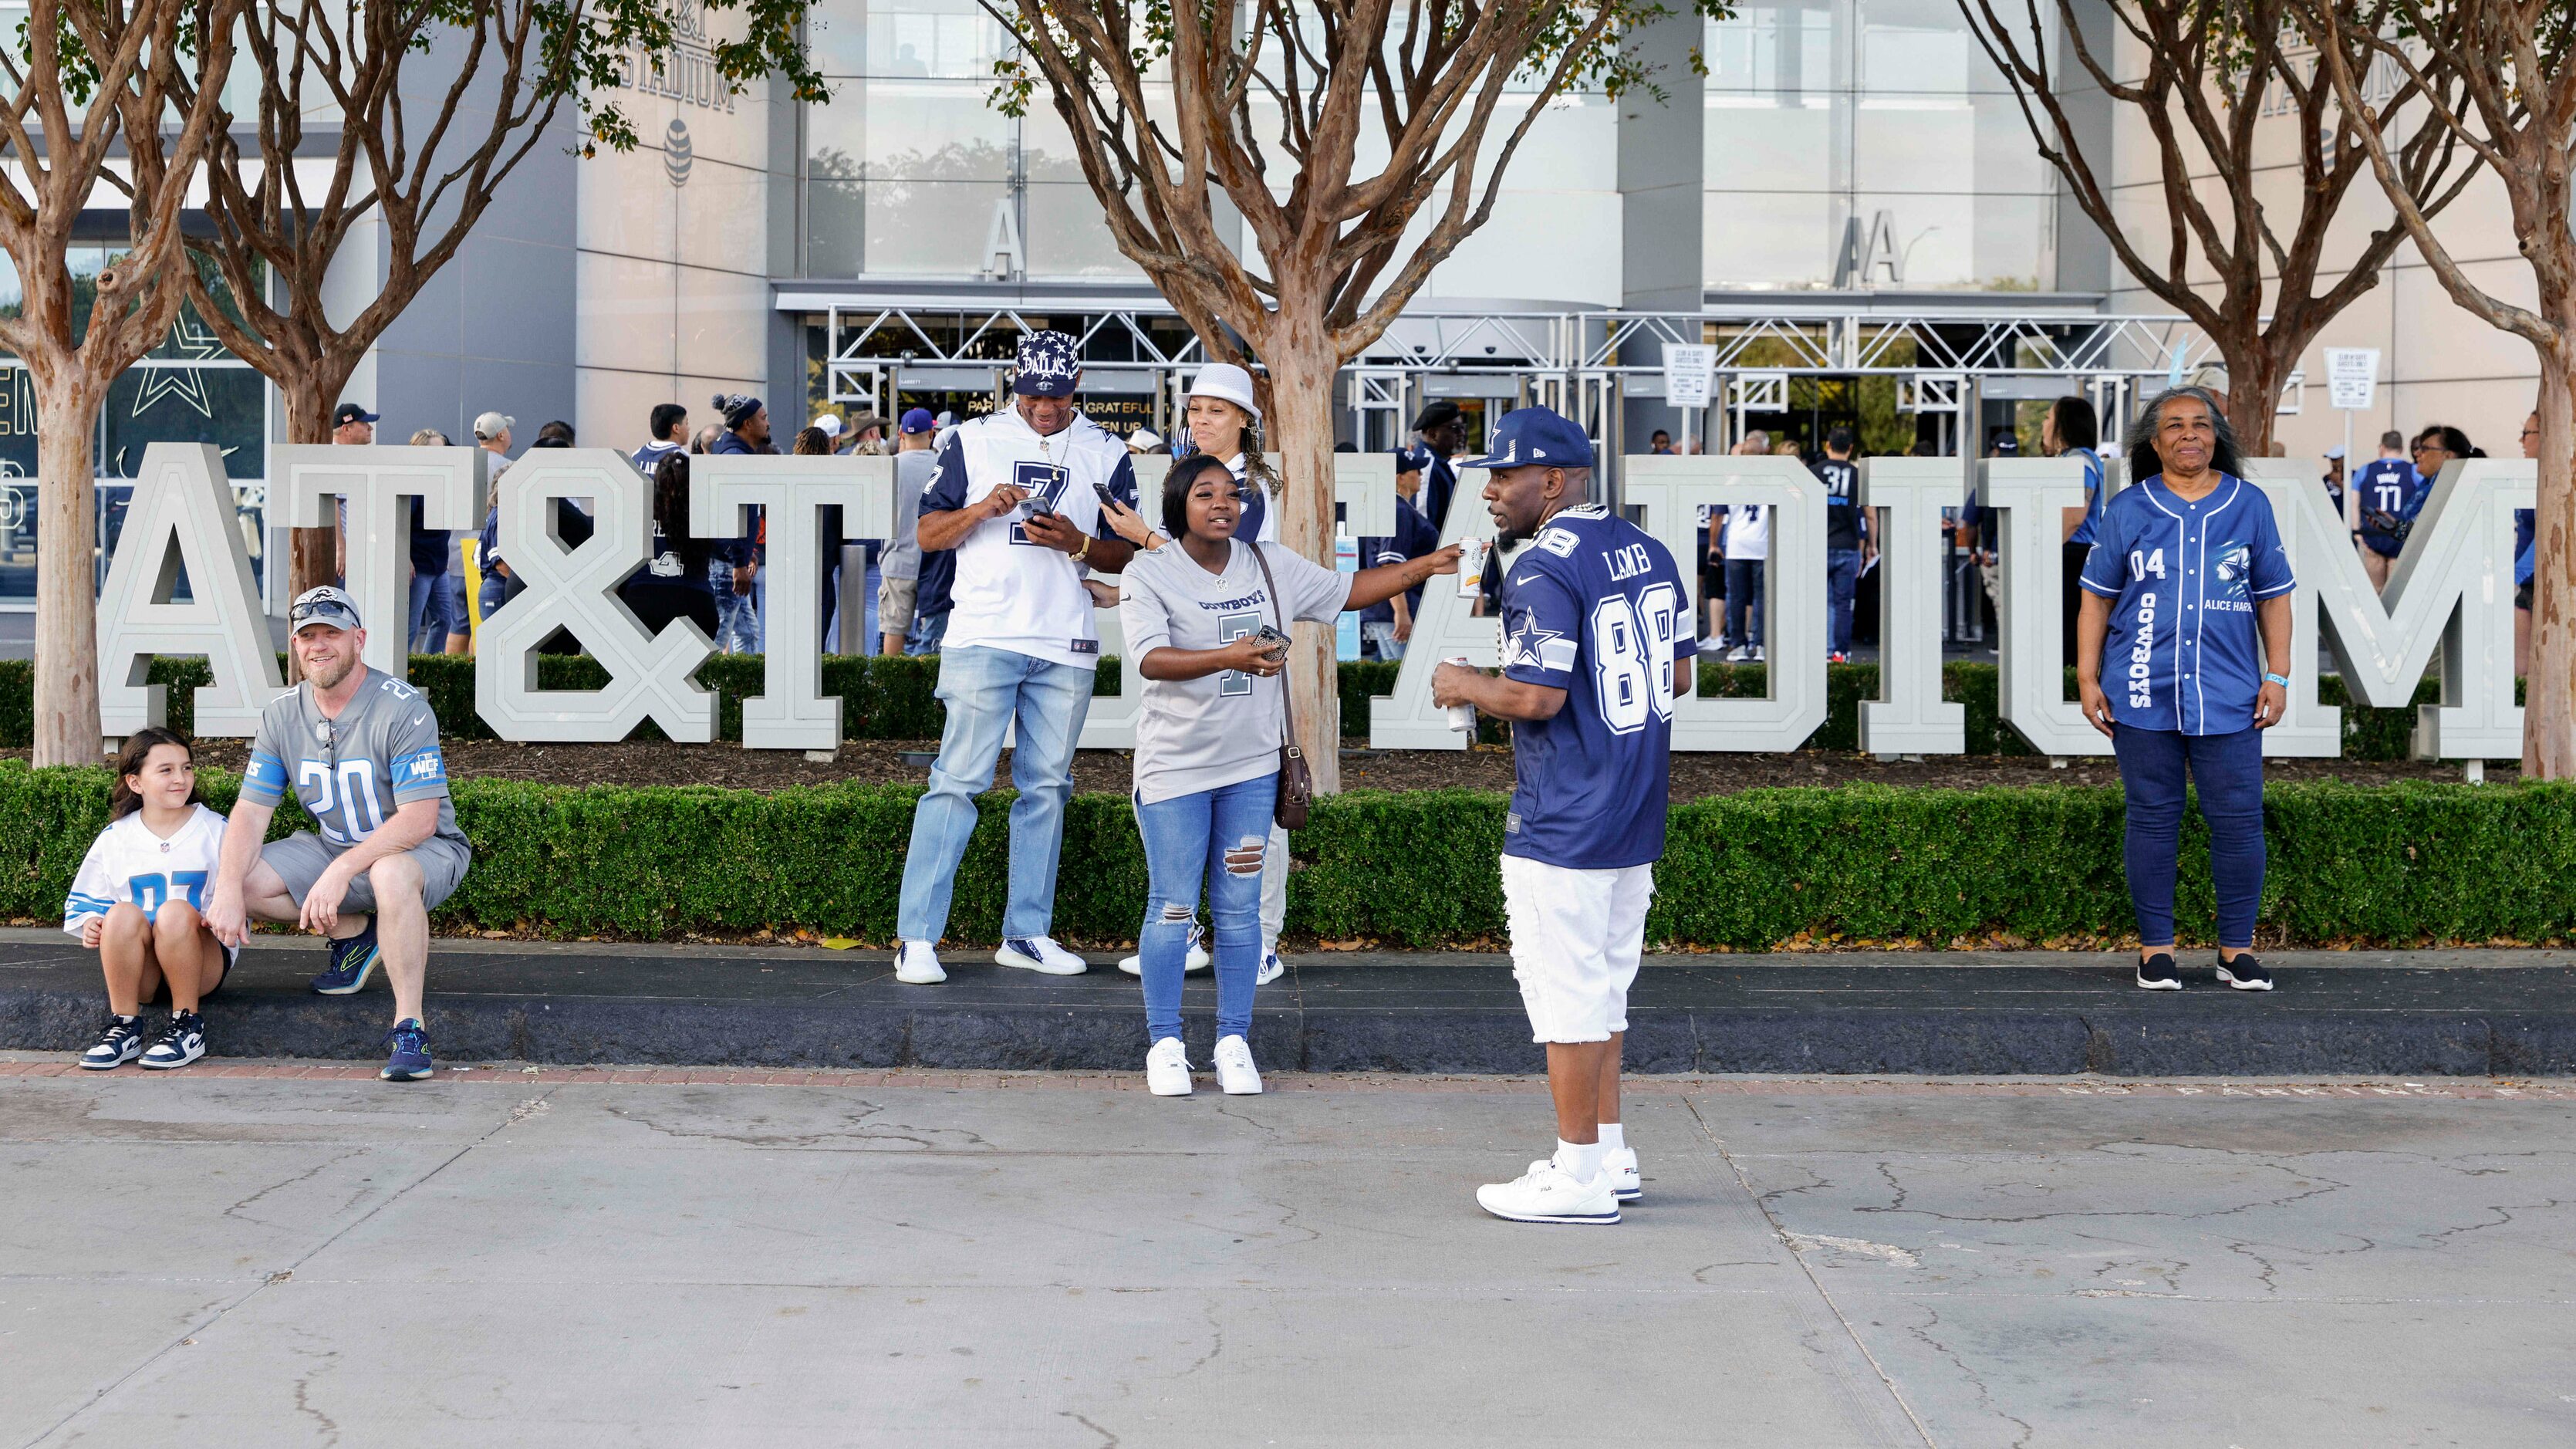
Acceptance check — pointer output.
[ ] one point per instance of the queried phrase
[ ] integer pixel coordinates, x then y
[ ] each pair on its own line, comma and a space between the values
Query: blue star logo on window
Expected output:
1534, 646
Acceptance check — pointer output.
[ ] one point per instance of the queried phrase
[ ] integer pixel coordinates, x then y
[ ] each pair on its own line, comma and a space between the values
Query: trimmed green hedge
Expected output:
2399, 864
892, 698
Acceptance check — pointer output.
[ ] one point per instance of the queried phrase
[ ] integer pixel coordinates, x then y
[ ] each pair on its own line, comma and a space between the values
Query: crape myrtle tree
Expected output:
2515, 108
2213, 85
89, 119
417, 112
1358, 142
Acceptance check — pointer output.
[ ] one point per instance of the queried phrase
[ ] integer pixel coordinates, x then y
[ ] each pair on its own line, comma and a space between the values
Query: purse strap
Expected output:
1287, 702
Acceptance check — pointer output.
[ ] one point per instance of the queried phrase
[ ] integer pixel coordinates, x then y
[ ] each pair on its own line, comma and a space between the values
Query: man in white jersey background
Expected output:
1015, 501
359, 750
1596, 645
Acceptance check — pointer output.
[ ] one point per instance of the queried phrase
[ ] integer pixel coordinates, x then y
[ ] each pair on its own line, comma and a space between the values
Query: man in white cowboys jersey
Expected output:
1596, 644
359, 751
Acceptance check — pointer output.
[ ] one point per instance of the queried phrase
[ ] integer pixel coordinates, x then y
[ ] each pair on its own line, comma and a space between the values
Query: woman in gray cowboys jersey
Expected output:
359, 750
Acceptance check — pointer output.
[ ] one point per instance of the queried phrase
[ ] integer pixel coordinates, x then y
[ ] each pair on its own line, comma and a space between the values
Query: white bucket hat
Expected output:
1228, 383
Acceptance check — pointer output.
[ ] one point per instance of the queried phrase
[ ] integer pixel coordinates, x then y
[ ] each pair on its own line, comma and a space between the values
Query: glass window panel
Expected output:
1068, 238
1770, 240
836, 36
1771, 50
929, 228
1760, 144
934, 131
835, 228
1925, 45
1995, 243
1908, 142
932, 38
224, 406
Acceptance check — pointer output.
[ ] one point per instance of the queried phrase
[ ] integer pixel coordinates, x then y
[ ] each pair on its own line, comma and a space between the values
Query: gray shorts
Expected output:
894, 604
301, 858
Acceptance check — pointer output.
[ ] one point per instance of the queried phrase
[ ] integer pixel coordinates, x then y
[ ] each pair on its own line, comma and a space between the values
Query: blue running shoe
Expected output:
351, 960
410, 1059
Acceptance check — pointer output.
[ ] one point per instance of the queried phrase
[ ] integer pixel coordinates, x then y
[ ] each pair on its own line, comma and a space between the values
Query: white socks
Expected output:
1580, 1160
1614, 1138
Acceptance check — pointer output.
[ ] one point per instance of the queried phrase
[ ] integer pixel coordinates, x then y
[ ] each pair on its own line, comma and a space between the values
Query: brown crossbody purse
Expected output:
1296, 781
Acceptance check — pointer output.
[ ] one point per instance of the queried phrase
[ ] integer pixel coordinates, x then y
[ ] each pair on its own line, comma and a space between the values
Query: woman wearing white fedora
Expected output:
1225, 423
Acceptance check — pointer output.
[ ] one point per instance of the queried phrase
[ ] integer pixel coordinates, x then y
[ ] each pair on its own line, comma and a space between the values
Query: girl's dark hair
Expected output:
2078, 426
813, 443
2143, 461
1177, 484
671, 496
129, 761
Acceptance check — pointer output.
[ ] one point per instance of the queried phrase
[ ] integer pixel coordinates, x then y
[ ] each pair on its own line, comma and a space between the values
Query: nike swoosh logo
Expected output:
415, 719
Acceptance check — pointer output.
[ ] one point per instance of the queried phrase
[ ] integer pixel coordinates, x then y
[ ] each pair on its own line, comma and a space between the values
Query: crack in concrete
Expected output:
1985, 1396
235, 1211
1107, 1439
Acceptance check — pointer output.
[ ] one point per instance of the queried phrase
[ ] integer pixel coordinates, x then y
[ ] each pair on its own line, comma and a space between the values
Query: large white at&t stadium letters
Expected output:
2451, 591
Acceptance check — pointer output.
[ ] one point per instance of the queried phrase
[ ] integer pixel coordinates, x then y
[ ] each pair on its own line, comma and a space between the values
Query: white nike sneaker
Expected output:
918, 964
1549, 1194
1041, 954
1167, 1069
1738, 654
1195, 959
1621, 1168
1272, 968
1234, 1069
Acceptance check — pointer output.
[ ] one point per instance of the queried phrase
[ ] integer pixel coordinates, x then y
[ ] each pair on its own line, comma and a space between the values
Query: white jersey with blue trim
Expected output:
129, 865
2184, 652
1010, 591
1595, 607
352, 773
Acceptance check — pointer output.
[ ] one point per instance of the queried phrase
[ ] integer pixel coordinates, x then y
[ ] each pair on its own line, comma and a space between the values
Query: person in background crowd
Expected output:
901, 570
2073, 429
829, 425
1661, 445
2334, 478
734, 565
368, 771
669, 427
1208, 734
492, 435
2526, 558
1016, 495
1224, 421
704, 440
556, 434
137, 902
1591, 600
674, 582
2382, 493
1387, 627
811, 443
1439, 431
1144, 440
1755, 443
815, 442
868, 436
1746, 545
436, 607
351, 427
1846, 535
2189, 576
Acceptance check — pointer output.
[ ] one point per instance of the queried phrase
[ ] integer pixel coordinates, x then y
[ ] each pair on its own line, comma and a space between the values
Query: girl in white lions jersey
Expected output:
137, 901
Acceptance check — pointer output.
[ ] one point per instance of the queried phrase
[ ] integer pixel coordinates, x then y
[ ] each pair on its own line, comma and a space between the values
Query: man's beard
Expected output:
340, 668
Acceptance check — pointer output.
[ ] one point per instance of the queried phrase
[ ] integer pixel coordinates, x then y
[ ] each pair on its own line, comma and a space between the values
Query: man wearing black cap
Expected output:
1015, 501
1438, 433
734, 566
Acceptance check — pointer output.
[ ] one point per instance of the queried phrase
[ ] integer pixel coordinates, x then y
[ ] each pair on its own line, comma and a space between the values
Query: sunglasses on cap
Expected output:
328, 611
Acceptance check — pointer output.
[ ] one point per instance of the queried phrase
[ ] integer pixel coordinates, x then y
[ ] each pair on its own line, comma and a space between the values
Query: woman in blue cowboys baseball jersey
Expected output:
2183, 660
1596, 644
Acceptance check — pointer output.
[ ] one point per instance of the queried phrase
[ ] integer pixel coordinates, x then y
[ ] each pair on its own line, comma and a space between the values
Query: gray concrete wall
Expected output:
1662, 181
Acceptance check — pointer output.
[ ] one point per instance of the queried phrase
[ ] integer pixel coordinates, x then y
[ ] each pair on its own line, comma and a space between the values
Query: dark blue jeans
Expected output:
1842, 580
2229, 771
1744, 585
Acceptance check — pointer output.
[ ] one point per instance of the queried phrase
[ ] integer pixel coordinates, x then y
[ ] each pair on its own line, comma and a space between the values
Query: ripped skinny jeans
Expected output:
1215, 837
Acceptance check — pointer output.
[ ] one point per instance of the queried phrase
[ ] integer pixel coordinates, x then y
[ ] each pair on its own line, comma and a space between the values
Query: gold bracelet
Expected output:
1083, 552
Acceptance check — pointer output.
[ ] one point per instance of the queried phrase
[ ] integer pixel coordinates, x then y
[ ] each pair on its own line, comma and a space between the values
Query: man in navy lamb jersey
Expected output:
1597, 642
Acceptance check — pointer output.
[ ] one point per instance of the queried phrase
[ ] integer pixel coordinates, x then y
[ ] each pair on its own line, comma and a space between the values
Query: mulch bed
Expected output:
658, 762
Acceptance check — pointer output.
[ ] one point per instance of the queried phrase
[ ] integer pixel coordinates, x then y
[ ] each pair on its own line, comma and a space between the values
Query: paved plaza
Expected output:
254, 1254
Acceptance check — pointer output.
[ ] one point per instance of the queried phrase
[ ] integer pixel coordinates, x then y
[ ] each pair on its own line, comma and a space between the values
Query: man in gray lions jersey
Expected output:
359, 750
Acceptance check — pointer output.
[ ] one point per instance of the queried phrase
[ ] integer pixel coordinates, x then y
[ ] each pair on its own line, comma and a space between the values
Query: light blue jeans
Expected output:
985, 690
1186, 841
737, 615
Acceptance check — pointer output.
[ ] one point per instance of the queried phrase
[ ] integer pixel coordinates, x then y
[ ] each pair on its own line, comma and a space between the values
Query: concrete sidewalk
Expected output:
1054, 1262
2442, 1013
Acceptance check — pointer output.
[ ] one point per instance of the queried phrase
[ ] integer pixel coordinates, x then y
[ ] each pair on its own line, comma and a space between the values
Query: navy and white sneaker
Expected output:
351, 961
182, 1043
122, 1042
2157, 973
1271, 969
1041, 954
2245, 973
410, 1059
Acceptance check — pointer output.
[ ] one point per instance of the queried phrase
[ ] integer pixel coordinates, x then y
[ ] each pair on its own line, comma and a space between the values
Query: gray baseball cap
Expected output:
493, 425
324, 605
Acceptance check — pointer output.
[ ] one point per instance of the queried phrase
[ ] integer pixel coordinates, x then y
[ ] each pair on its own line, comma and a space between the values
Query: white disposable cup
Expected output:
1462, 717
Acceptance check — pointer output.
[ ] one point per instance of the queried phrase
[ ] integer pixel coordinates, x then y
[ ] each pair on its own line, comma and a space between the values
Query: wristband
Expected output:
1081, 553
2281, 680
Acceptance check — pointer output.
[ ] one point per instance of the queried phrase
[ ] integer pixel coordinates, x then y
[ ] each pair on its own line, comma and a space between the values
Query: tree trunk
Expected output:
310, 552
67, 728
2253, 396
1302, 367
2549, 696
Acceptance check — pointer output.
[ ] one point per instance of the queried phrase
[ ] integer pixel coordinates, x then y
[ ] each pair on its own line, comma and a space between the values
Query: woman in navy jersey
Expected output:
2189, 588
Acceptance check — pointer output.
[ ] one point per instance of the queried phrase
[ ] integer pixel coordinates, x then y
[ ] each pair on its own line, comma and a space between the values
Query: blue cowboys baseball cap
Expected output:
1528, 436
323, 605
1047, 365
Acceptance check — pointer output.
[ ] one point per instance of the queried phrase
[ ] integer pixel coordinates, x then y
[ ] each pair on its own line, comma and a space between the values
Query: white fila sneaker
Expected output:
1621, 1168
1547, 1193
